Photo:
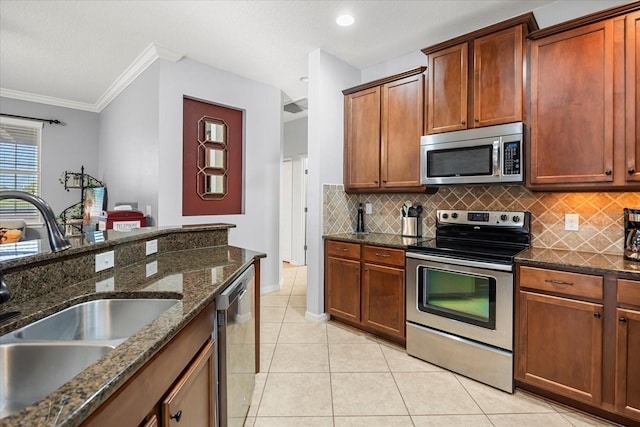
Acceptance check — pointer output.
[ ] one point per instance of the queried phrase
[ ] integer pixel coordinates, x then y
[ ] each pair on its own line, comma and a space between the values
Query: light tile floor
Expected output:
328, 374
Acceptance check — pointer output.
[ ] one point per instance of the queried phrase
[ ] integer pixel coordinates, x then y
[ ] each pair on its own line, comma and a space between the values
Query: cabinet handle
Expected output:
382, 255
596, 315
342, 249
631, 171
384, 180
558, 282
176, 416
622, 320
607, 172
476, 120
357, 268
463, 122
366, 269
375, 182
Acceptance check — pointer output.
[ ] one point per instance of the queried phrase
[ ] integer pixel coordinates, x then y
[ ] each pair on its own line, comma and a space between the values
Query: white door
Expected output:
285, 210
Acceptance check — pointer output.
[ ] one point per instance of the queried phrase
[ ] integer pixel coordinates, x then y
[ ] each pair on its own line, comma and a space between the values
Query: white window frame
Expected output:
35, 220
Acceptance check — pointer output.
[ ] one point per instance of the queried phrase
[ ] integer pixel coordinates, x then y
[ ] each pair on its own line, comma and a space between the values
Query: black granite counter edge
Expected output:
76, 400
114, 238
376, 239
580, 262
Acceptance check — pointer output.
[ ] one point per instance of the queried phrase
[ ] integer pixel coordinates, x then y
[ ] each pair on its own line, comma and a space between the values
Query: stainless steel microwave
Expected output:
487, 155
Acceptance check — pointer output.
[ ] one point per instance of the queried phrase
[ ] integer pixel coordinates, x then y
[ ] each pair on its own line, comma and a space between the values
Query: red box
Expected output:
125, 220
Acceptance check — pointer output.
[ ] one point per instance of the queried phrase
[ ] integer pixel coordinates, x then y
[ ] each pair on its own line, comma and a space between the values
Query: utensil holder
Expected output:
411, 226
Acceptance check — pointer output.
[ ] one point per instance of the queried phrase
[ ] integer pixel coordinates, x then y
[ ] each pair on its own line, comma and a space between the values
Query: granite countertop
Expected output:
378, 239
585, 262
194, 276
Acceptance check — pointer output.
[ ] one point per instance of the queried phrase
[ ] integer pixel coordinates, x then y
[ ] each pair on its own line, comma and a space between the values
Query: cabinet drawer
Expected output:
380, 255
629, 292
581, 285
343, 250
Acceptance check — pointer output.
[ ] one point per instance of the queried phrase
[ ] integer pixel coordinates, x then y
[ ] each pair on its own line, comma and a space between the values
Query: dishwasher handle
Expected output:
236, 290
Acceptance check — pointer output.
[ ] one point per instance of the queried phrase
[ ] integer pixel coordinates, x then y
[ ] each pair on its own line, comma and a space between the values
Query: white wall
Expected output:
129, 143
328, 76
294, 138
67, 146
257, 228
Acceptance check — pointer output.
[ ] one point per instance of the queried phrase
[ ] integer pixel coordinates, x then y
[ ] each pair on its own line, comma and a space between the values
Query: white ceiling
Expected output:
57, 51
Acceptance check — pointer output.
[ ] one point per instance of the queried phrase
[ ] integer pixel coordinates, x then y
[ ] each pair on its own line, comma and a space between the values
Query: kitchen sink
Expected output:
31, 371
111, 320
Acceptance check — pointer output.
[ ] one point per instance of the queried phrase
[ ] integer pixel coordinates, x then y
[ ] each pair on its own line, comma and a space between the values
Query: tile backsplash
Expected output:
601, 223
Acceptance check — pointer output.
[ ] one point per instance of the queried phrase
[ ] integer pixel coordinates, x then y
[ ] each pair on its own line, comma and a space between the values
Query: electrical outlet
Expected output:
367, 208
571, 222
151, 268
151, 247
104, 261
106, 285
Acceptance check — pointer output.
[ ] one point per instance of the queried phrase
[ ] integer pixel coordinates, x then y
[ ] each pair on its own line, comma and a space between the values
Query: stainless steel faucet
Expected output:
57, 241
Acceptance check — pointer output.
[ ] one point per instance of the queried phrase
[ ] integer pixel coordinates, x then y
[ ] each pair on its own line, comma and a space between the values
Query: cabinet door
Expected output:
572, 106
343, 288
559, 346
632, 120
448, 89
401, 127
362, 139
498, 77
383, 304
627, 366
191, 402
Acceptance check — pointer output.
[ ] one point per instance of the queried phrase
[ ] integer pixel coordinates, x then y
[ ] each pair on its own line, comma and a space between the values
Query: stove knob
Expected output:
454, 215
516, 218
445, 216
503, 217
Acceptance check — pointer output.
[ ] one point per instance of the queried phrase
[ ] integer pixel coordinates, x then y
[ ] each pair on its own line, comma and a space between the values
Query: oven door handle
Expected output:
462, 262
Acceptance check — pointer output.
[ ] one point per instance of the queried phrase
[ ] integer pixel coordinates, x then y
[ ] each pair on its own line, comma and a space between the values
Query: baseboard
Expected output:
269, 289
318, 318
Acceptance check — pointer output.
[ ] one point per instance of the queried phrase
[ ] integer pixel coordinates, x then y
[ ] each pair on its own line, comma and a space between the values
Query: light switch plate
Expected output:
151, 268
104, 261
151, 247
571, 222
106, 285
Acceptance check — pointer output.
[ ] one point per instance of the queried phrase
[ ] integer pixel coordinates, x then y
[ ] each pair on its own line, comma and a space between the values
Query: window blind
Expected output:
19, 164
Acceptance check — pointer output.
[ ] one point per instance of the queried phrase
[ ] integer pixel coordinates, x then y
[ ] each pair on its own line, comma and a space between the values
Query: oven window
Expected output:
464, 297
464, 161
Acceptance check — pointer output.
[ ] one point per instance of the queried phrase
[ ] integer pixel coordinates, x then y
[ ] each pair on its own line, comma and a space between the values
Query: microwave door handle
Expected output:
496, 158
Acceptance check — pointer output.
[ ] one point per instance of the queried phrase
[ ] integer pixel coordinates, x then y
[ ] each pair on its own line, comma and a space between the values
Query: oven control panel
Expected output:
494, 218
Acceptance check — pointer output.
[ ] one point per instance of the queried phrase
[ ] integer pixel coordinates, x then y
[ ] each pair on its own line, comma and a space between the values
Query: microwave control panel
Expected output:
511, 163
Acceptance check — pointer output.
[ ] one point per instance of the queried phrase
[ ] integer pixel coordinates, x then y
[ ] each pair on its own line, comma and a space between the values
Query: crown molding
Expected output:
141, 63
49, 100
137, 67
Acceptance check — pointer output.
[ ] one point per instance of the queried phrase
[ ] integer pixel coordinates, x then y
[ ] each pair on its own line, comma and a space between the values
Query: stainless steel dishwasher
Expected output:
236, 350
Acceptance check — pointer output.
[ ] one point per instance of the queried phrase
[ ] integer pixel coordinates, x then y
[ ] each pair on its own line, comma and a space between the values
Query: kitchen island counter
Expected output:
195, 276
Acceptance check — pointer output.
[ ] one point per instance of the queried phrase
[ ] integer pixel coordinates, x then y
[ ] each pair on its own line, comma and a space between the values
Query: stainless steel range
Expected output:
460, 293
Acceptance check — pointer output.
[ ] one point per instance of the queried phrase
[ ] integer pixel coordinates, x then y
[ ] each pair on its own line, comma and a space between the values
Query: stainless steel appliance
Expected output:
460, 293
492, 154
236, 350
632, 234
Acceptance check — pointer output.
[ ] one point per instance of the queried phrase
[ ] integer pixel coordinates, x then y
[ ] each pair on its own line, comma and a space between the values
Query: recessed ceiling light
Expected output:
345, 20
304, 79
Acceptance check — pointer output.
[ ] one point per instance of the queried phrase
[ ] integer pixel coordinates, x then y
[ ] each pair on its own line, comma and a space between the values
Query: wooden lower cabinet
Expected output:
560, 345
383, 299
364, 287
578, 340
192, 400
344, 288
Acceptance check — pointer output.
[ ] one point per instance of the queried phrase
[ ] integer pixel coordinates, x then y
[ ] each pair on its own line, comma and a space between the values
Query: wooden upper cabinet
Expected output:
572, 106
498, 77
384, 121
448, 89
632, 157
402, 127
362, 139
478, 80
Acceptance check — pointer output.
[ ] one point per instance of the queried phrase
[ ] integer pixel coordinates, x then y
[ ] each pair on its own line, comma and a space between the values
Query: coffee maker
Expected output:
632, 234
